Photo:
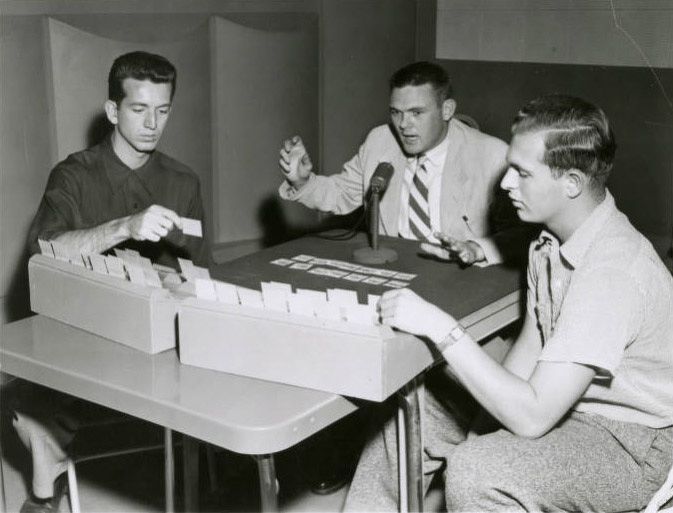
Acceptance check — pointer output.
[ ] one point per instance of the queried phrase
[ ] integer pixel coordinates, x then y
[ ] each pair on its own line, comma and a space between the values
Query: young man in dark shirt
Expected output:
121, 192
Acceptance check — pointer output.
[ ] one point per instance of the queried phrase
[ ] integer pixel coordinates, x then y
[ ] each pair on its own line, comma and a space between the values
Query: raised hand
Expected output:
295, 162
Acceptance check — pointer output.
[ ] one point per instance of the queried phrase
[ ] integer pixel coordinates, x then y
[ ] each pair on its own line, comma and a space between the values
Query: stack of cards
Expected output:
346, 271
334, 304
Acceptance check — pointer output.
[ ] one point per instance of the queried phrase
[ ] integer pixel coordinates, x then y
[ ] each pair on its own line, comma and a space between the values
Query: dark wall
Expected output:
641, 115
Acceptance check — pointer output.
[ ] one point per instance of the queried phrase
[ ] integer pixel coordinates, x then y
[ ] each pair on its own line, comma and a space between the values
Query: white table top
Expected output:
244, 415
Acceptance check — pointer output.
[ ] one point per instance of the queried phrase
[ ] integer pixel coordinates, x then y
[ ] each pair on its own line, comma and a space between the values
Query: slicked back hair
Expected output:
141, 66
577, 135
421, 73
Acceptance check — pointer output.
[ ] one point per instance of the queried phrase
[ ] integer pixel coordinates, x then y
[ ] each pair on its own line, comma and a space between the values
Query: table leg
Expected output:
410, 405
267, 482
169, 470
190, 472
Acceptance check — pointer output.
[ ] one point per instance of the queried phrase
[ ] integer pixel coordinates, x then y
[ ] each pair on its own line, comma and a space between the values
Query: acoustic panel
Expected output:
264, 90
80, 62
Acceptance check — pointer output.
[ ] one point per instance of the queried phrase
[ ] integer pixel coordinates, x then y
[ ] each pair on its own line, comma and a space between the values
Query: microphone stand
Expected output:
374, 254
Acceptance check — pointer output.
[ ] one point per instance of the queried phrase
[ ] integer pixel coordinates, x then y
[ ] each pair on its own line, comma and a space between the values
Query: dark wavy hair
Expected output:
141, 66
421, 73
577, 135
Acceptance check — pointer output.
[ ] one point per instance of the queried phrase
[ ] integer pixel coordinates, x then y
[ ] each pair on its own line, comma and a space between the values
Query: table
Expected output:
246, 415
252, 416
484, 300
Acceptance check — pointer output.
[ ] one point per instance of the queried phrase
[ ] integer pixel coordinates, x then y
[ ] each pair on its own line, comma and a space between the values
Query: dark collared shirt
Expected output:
94, 186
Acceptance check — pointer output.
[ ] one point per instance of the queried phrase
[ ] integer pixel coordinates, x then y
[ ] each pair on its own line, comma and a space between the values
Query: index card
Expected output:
355, 277
45, 248
396, 284
60, 251
169, 278
314, 295
226, 293
275, 296
97, 263
301, 266
281, 261
152, 278
299, 304
188, 269
201, 272
303, 258
205, 289
191, 227
77, 260
328, 311
145, 262
361, 314
115, 266
405, 276
135, 272
250, 297
342, 297
374, 280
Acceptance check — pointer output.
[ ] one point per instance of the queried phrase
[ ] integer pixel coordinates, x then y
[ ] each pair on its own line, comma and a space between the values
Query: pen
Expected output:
467, 223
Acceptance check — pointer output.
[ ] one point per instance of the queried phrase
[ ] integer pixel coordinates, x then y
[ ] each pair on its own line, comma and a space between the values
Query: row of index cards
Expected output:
126, 264
334, 304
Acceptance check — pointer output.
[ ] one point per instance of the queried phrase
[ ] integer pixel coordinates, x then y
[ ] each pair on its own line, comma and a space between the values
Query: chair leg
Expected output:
73, 491
213, 479
169, 471
190, 472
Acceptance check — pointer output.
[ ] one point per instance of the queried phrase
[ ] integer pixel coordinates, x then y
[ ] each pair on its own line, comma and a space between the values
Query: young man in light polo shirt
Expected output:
585, 397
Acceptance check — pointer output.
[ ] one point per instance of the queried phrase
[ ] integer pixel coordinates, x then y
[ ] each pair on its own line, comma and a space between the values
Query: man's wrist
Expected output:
454, 335
298, 184
477, 251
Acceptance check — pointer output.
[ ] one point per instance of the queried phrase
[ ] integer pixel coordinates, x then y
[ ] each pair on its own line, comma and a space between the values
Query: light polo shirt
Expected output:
605, 299
435, 167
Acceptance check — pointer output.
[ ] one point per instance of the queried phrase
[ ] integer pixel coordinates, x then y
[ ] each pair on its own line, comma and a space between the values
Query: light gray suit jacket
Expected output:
475, 163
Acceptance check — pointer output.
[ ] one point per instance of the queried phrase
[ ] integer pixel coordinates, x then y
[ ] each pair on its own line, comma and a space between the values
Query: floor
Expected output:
134, 483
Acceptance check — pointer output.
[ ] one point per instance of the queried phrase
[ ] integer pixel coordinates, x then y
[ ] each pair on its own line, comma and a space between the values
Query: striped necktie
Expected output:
419, 208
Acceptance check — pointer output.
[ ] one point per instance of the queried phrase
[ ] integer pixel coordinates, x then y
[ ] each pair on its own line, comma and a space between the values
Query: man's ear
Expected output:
575, 182
111, 111
448, 109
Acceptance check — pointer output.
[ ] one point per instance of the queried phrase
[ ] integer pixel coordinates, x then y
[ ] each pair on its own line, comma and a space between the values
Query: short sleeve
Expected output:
598, 319
58, 211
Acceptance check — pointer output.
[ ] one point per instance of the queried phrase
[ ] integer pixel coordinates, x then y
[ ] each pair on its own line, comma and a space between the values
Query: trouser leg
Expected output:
587, 463
375, 484
45, 424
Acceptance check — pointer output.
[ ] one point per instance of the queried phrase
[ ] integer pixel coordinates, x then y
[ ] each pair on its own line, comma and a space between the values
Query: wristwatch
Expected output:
454, 336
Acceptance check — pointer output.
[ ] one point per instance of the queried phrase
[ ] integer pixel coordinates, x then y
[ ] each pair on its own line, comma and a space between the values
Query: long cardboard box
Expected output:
137, 316
367, 362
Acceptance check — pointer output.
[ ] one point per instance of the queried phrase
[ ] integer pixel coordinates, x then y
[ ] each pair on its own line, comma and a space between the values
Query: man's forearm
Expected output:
97, 239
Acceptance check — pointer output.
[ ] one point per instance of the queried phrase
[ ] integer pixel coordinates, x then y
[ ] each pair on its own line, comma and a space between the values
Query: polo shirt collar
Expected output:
574, 249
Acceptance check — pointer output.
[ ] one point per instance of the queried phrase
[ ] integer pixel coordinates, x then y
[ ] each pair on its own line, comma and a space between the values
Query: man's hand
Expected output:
295, 162
152, 223
405, 310
466, 252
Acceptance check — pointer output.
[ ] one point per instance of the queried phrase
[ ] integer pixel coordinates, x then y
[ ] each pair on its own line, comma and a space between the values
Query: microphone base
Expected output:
368, 255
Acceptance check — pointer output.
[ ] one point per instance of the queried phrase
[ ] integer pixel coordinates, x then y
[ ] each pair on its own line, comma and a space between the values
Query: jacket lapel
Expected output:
454, 178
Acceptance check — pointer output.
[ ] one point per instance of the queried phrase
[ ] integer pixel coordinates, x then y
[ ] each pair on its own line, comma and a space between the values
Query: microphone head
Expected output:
381, 177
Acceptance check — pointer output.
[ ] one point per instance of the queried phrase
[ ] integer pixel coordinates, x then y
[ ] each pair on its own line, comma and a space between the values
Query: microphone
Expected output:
377, 186
381, 177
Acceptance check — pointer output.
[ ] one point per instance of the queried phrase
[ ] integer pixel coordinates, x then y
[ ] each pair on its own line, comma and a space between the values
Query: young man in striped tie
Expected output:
446, 173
